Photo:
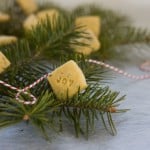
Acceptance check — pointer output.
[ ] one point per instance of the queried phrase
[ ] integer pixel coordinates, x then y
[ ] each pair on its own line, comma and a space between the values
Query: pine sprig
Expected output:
48, 111
12, 112
55, 37
93, 101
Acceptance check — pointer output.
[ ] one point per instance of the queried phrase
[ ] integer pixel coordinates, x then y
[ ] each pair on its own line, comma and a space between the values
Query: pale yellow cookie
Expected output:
30, 22
90, 22
28, 6
90, 41
4, 17
67, 80
4, 62
4, 39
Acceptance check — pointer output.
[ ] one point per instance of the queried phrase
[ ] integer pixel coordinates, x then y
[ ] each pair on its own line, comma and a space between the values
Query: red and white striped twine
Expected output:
145, 66
124, 73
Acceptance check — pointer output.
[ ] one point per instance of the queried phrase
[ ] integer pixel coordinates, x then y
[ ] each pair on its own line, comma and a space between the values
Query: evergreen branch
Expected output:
18, 53
24, 69
87, 105
48, 112
13, 112
55, 36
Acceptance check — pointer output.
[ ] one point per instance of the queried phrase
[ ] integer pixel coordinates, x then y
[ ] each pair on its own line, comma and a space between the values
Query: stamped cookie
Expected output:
67, 80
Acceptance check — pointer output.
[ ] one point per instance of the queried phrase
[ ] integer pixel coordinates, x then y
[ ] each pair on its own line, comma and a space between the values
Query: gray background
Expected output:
133, 127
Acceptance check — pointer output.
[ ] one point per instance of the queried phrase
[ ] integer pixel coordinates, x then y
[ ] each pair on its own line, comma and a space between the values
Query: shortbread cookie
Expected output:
90, 43
4, 40
4, 62
90, 22
4, 17
28, 6
67, 80
30, 22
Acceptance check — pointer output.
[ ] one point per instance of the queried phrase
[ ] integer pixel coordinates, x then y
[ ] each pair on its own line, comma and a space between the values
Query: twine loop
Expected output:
31, 102
33, 99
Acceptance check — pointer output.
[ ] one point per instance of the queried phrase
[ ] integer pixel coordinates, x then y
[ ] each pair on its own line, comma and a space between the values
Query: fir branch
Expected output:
49, 112
55, 37
86, 106
24, 69
22, 62
13, 112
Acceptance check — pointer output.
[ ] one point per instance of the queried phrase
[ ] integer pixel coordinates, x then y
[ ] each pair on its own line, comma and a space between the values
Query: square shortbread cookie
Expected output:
67, 80
90, 22
4, 62
4, 39
30, 22
4, 17
28, 6
91, 42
